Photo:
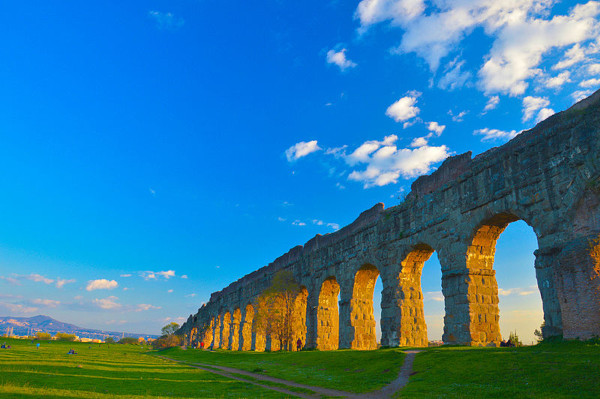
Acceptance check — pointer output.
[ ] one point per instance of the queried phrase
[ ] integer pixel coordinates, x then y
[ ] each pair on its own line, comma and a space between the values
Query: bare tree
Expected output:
274, 309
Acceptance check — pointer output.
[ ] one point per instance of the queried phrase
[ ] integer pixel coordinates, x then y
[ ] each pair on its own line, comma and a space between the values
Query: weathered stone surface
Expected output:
548, 176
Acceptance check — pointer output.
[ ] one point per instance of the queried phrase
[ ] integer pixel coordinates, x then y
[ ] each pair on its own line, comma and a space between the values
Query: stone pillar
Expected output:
225, 328
208, 333
217, 332
246, 329
312, 304
235, 330
299, 319
577, 279
545, 263
390, 315
328, 316
346, 329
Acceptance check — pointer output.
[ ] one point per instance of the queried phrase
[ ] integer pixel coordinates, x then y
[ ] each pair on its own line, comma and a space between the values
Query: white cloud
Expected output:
18, 308
62, 282
572, 56
531, 105
495, 134
190, 295
580, 95
404, 109
454, 77
339, 58
298, 223
458, 117
184, 276
522, 34
46, 302
558, 81
492, 103
39, 278
101, 284
149, 275
544, 114
279, 218
144, 306
334, 226
126, 275
385, 163
11, 280
370, 12
590, 83
166, 20
419, 142
170, 291
301, 149
318, 222
436, 128
593, 69
518, 291
108, 303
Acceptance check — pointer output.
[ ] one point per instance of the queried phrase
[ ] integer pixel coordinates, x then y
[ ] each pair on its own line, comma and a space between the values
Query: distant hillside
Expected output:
30, 325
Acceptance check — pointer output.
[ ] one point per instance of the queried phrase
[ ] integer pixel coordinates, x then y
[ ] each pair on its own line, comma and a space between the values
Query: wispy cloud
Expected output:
109, 303
50, 303
60, 282
166, 20
149, 275
495, 134
144, 306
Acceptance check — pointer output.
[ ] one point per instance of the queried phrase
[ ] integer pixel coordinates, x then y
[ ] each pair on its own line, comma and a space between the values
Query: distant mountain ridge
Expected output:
30, 325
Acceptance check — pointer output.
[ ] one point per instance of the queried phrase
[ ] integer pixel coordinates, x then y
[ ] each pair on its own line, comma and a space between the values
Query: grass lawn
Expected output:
553, 370
104, 372
347, 370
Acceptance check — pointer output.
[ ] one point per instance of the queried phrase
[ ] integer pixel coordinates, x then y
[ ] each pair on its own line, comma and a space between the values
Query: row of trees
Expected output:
58, 336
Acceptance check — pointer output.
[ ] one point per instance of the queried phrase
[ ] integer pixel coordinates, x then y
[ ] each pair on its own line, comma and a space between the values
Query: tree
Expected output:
514, 339
109, 340
167, 341
274, 309
170, 328
43, 336
65, 337
538, 333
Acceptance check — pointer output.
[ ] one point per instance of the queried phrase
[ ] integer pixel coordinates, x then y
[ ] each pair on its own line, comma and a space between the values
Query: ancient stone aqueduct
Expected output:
548, 176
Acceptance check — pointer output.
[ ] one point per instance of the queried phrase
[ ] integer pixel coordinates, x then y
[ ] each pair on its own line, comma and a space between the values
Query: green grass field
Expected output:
346, 370
549, 370
105, 372
557, 370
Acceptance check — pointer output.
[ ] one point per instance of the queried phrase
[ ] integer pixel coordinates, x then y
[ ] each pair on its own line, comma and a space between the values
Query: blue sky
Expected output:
152, 152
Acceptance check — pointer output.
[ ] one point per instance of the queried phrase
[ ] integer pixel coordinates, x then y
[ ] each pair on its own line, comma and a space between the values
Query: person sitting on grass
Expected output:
72, 352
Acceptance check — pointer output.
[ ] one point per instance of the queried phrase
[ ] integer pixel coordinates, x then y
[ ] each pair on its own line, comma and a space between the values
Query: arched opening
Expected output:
413, 327
362, 317
433, 299
225, 329
235, 329
504, 281
299, 319
217, 333
246, 330
328, 319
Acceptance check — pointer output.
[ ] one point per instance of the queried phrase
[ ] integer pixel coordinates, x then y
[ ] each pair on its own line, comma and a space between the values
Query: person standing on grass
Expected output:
299, 344
202, 345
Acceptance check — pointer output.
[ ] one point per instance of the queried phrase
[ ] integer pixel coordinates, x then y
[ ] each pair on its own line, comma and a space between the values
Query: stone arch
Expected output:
328, 323
362, 319
246, 328
225, 330
482, 287
413, 329
236, 320
299, 318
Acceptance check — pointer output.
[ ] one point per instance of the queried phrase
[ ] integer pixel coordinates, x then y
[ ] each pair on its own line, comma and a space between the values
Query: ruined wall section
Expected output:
548, 176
